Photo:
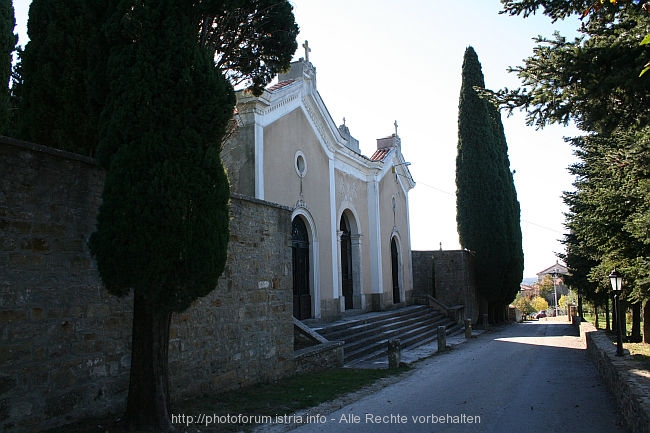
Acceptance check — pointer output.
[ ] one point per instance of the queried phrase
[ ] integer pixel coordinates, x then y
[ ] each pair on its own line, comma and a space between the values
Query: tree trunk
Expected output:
483, 313
580, 312
596, 315
646, 321
607, 327
148, 401
636, 323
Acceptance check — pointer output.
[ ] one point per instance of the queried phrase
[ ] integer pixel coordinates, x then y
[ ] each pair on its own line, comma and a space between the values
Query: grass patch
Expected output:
640, 352
282, 397
286, 396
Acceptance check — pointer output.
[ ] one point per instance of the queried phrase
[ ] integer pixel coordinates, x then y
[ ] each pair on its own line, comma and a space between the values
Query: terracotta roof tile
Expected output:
380, 154
279, 85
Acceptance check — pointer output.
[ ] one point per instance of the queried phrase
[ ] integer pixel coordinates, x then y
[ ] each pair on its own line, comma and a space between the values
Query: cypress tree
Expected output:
8, 40
61, 89
488, 215
162, 229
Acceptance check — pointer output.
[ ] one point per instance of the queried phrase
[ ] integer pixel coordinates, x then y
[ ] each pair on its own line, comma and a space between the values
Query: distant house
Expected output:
528, 291
557, 271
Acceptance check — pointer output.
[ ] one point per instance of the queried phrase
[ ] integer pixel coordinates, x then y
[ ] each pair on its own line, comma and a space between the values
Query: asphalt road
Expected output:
530, 377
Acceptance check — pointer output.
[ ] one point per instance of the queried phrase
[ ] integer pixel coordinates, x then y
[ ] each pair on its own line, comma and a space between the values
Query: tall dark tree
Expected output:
594, 81
488, 214
609, 217
162, 229
8, 40
61, 90
252, 39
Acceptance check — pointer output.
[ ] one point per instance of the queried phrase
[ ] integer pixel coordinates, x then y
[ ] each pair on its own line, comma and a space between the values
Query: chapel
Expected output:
350, 241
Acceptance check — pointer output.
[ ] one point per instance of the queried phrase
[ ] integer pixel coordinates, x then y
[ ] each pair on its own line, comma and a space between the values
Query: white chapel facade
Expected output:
350, 244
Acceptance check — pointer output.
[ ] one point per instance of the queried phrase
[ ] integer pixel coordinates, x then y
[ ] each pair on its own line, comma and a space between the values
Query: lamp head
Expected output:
616, 280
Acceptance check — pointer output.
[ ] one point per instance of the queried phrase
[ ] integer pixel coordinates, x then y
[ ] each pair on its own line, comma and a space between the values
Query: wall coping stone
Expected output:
630, 388
258, 201
63, 154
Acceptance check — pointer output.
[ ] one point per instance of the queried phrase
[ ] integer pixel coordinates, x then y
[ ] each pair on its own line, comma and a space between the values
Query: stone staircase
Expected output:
366, 335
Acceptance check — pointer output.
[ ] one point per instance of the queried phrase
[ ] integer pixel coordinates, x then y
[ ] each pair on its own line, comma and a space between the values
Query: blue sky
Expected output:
378, 61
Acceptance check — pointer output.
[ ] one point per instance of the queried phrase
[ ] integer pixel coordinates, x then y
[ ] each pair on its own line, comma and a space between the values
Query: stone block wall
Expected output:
65, 342
242, 332
422, 272
629, 384
452, 283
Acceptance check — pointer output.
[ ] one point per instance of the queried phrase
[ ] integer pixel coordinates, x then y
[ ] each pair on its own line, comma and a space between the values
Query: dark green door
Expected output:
300, 253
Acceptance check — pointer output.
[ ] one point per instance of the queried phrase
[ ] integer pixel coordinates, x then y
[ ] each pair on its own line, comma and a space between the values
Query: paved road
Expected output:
530, 377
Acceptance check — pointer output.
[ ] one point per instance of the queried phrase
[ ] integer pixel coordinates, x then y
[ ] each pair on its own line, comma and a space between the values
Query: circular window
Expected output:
301, 164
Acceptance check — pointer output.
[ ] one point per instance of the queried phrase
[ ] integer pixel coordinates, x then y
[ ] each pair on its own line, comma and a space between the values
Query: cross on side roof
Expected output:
307, 50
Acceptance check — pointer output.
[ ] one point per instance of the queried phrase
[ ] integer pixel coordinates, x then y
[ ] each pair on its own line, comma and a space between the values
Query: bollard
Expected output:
468, 328
394, 353
442, 338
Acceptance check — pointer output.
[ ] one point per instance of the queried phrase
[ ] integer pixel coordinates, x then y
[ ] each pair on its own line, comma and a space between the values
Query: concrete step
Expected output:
408, 340
366, 335
333, 330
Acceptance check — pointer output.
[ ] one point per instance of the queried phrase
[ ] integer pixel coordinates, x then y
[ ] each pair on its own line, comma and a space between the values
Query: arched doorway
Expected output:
300, 257
394, 259
347, 282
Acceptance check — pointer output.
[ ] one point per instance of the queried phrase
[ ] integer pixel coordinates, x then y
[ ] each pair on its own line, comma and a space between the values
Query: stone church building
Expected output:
309, 215
350, 223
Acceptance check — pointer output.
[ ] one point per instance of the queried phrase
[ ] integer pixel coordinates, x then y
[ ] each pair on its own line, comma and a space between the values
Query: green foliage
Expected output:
545, 286
565, 300
61, 89
592, 80
8, 42
162, 228
488, 214
252, 39
609, 214
539, 303
523, 305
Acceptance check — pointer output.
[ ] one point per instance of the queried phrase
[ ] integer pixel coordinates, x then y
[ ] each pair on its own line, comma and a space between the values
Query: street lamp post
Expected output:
555, 289
617, 285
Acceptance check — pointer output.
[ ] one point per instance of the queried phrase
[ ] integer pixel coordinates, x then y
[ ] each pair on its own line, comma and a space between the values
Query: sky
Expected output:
381, 61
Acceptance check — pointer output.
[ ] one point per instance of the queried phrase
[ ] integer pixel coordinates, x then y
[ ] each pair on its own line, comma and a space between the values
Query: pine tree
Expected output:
594, 81
8, 40
487, 208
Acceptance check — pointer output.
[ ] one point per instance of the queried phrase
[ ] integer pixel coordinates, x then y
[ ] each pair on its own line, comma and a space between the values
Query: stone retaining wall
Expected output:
452, 283
630, 386
65, 342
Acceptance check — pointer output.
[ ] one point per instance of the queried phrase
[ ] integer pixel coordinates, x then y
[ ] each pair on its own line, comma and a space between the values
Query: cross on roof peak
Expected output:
307, 50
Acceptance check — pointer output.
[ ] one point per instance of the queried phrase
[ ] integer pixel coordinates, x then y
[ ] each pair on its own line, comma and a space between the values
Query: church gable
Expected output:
294, 160
351, 211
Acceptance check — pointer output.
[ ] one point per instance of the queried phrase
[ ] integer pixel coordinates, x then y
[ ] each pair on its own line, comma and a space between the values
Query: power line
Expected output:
541, 226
